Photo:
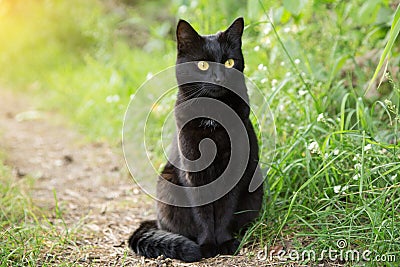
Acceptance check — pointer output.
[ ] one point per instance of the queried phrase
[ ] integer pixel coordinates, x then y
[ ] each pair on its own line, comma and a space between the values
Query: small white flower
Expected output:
282, 63
288, 74
367, 147
337, 188
257, 48
264, 80
357, 166
267, 29
393, 177
336, 152
356, 157
356, 177
274, 82
388, 102
313, 147
320, 117
260, 66
286, 30
297, 61
302, 92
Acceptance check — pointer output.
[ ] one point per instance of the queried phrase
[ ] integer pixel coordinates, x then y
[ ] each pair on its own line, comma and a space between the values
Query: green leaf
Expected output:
394, 32
368, 11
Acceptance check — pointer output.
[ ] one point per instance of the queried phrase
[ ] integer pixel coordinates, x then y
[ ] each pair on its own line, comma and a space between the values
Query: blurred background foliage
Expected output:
76, 55
313, 59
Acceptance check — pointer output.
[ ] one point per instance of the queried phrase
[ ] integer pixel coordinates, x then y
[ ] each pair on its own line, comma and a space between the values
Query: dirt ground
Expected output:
99, 201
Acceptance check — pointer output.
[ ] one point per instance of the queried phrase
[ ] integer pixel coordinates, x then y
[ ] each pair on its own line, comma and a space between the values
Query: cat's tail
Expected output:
151, 242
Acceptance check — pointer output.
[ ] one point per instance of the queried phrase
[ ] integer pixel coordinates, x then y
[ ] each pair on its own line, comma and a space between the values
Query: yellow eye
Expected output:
203, 65
229, 63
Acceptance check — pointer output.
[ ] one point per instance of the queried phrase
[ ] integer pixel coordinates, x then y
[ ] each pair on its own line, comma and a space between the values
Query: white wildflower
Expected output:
337, 188
282, 63
356, 157
320, 117
356, 177
357, 166
393, 177
388, 103
367, 147
257, 48
313, 147
297, 61
261, 66
302, 92
286, 30
264, 80
274, 82
336, 152
267, 28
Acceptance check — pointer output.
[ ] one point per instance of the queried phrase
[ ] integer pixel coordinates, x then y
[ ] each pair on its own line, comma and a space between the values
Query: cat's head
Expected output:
202, 52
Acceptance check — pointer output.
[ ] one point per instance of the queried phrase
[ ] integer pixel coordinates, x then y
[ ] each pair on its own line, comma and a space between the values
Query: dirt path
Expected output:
98, 199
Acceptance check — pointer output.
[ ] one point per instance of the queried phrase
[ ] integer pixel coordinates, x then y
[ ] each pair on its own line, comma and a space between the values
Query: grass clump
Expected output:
29, 235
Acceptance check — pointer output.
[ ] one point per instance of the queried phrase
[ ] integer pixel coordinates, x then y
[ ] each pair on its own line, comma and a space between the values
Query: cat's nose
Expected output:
217, 77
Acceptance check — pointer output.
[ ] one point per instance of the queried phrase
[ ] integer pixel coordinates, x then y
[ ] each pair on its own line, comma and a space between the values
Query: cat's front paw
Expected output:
229, 247
208, 250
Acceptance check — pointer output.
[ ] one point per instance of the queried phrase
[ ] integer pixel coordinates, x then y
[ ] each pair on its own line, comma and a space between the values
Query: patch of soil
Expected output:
88, 182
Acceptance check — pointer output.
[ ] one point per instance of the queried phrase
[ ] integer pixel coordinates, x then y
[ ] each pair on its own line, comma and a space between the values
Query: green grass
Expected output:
29, 235
335, 173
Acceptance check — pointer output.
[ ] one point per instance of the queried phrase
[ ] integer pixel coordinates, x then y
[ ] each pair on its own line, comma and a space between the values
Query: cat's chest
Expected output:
202, 129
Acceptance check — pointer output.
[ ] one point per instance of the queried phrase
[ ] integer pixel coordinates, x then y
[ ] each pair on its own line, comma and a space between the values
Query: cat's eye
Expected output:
203, 65
229, 63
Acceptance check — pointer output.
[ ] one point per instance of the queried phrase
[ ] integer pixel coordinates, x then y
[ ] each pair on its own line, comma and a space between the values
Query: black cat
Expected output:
192, 233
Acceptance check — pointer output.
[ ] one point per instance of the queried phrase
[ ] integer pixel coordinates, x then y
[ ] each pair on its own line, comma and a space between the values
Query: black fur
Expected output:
190, 233
149, 241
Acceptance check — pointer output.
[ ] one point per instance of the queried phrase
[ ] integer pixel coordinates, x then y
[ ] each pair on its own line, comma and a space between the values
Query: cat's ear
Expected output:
186, 36
235, 31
